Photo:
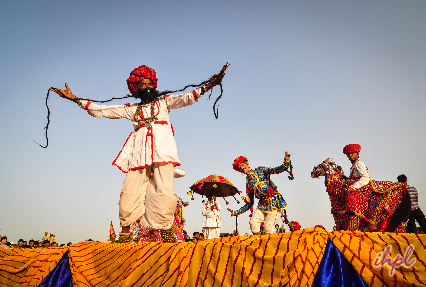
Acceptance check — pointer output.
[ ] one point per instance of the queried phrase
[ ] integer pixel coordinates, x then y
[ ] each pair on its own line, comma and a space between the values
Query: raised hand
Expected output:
64, 93
216, 78
286, 157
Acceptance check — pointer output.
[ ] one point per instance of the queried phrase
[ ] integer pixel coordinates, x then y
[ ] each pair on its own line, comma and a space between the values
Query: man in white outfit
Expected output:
149, 154
212, 223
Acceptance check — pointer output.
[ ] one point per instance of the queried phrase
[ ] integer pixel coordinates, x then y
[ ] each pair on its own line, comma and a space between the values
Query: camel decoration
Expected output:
388, 202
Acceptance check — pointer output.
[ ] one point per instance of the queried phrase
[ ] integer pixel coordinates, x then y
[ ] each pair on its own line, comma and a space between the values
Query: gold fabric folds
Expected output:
23, 267
268, 260
362, 248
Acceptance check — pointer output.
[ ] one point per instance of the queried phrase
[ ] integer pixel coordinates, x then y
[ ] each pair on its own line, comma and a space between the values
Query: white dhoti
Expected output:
270, 219
148, 198
212, 233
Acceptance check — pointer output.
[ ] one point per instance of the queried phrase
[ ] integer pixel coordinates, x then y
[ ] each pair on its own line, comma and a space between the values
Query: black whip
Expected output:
215, 111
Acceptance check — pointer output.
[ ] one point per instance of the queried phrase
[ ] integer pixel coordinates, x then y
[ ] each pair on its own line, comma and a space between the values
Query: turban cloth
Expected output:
138, 74
295, 225
239, 160
350, 148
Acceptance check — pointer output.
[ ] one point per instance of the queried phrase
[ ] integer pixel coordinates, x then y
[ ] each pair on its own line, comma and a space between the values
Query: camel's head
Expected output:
322, 168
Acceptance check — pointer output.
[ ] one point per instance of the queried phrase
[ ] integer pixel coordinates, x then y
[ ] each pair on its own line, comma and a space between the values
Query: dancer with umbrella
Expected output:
212, 223
212, 187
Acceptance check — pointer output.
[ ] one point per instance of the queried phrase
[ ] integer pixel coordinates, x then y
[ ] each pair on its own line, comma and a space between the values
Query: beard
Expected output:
147, 95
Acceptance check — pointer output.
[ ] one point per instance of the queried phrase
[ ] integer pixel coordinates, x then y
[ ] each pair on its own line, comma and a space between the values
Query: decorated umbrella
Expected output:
215, 184
218, 186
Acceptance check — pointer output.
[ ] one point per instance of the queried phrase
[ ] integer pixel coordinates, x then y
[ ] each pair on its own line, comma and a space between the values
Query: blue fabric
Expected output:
335, 270
60, 276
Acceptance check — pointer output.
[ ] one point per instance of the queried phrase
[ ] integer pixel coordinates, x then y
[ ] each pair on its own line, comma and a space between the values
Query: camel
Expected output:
388, 202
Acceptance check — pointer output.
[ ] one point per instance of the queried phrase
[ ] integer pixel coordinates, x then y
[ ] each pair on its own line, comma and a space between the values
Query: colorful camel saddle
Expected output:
385, 198
384, 186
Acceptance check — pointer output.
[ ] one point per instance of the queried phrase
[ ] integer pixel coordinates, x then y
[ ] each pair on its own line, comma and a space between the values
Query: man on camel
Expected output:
259, 185
357, 197
149, 154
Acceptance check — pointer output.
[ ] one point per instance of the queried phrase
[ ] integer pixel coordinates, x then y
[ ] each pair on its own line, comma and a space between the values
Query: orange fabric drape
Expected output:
267, 260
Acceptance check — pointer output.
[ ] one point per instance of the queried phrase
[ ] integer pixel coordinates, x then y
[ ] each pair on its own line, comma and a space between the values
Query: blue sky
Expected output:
306, 76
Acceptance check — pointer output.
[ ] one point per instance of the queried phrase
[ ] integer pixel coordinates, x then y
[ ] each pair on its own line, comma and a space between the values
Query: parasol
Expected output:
216, 184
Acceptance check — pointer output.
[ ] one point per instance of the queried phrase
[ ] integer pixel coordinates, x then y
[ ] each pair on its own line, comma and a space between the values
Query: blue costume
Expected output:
259, 184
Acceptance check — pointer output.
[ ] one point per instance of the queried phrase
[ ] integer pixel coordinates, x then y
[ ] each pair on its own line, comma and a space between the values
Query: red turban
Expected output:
350, 148
239, 160
295, 225
138, 74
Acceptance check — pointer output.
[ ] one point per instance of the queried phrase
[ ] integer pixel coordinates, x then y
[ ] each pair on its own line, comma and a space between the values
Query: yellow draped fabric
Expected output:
23, 267
361, 249
268, 260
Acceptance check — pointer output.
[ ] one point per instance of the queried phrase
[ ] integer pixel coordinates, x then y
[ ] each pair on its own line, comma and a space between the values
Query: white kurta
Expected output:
149, 144
211, 212
359, 171
143, 197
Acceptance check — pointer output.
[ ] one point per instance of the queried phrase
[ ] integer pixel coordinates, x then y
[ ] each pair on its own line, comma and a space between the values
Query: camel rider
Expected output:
357, 198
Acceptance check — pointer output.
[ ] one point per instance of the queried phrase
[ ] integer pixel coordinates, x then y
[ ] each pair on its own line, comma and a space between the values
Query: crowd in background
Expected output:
50, 241
44, 242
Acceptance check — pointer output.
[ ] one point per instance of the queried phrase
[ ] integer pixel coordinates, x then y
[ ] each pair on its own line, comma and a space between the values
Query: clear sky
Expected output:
308, 77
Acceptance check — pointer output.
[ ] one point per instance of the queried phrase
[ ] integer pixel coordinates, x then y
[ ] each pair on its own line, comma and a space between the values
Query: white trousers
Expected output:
212, 233
148, 198
270, 219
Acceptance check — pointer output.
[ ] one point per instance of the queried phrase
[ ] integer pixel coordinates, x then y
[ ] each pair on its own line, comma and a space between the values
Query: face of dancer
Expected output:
245, 167
146, 91
210, 196
145, 84
353, 156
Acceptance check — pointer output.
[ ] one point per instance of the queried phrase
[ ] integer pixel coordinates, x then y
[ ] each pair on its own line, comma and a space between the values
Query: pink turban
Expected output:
138, 74
350, 148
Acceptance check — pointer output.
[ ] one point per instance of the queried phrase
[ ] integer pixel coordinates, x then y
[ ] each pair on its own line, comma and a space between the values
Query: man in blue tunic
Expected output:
259, 185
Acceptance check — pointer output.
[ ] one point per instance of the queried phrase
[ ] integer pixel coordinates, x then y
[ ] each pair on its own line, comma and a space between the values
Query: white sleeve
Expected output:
204, 209
218, 205
365, 177
110, 112
183, 100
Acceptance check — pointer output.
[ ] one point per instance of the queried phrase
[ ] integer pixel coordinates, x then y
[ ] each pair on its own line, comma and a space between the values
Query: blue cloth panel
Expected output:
335, 270
60, 276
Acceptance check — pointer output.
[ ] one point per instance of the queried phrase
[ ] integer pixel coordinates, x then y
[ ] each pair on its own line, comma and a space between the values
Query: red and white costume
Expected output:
357, 198
359, 172
149, 149
212, 223
149, 144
